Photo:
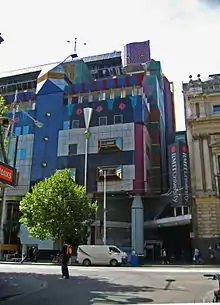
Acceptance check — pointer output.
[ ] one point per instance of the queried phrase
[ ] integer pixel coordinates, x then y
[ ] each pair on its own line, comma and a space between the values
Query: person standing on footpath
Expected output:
65, 258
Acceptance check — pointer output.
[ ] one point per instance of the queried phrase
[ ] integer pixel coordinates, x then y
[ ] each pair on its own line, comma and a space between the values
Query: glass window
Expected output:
123, 93
114, 250
17, 131
85, 99
102, 120
216, 108
75, 124
72, 149
25, 129
33, 106
118, 119
102, 96
90, 98
23, 153
66, 124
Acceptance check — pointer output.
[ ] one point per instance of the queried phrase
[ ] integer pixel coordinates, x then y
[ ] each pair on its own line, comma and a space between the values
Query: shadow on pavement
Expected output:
44, 289
78, 290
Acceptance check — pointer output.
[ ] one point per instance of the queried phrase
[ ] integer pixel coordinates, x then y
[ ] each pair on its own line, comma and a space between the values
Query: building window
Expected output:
80, 99
102, 120
134, 91
66, 124
90, 98
118, 119
123, 93
102, 96
33, 106
112, 95
72, 149
197, 110
23, 153
17, 131
110, 145
75, 124
25, 129
216, 108
73, 173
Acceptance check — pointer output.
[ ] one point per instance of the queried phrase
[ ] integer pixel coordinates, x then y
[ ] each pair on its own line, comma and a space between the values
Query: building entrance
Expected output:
177, 243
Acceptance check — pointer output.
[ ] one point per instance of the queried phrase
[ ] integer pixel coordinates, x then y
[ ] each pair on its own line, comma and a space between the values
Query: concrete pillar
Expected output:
197, 165
207, 165
137, 225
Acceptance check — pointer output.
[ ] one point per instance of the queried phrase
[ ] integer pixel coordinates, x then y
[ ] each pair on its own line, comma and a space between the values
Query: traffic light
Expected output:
1, 39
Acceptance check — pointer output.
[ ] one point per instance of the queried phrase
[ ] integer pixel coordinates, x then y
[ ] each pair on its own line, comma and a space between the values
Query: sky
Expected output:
184, 34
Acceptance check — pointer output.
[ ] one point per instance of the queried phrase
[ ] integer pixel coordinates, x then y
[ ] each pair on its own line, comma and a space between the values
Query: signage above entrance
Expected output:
7, 175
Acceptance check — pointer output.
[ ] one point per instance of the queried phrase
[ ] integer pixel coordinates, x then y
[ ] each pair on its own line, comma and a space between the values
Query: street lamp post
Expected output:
104, 209
87, 118
103, 172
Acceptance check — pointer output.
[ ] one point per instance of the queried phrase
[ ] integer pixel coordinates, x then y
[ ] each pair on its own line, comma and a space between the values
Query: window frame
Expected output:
26, 127
118, 115
23, 150
17, 128
68, 125
73, 154
72, 127
106, 120
216, 112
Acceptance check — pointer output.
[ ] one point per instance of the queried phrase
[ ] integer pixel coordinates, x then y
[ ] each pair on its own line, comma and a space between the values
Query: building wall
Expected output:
23, 165
203, 134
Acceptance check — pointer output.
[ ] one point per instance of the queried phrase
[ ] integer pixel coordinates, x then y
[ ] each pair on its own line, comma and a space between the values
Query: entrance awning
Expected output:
169, 221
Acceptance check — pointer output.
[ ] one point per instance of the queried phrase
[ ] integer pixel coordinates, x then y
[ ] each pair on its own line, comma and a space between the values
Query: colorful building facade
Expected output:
132, 123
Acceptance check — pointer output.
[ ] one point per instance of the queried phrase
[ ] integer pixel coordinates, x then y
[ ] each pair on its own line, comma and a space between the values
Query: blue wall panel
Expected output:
47, 151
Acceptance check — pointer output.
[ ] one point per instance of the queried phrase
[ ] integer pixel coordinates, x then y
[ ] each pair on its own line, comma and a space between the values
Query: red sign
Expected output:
7, 174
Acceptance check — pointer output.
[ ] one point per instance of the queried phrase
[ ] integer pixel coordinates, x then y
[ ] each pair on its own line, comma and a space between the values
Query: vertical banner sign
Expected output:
175, 178
185, 173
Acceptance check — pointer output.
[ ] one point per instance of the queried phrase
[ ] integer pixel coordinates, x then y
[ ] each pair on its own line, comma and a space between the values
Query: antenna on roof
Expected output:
75, 44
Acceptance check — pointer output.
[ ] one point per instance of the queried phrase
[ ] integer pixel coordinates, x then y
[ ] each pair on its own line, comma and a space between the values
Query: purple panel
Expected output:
137, 52
78, 88
99, 85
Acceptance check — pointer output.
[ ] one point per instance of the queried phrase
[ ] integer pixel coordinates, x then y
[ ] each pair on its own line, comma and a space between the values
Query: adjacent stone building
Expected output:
202, 109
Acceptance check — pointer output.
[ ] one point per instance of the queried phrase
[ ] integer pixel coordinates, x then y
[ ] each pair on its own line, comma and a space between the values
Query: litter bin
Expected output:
134, 260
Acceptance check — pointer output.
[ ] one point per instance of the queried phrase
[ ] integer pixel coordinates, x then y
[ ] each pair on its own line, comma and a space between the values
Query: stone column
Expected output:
207, 165
197, 164
137, 225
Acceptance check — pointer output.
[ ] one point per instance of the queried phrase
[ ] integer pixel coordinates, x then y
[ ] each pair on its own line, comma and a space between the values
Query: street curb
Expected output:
128, 266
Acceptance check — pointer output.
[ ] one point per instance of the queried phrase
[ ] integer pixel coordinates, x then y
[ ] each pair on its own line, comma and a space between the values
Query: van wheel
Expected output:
87, 262
113, 263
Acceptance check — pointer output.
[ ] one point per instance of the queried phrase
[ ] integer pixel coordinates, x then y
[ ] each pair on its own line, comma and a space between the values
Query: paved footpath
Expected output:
41, 285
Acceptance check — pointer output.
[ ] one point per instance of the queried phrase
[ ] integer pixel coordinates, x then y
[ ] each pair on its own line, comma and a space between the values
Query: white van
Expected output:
100, 255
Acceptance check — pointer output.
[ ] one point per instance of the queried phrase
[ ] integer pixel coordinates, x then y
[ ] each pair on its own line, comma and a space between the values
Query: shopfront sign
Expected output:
7, 174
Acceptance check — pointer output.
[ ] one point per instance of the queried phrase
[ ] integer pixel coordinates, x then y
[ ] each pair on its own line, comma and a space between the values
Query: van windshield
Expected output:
114, 249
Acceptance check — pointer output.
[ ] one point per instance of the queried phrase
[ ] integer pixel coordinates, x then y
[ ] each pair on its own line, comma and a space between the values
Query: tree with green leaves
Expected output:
3, 108
59, 208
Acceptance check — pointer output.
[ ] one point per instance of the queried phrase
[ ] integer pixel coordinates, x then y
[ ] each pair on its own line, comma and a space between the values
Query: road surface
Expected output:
42, 285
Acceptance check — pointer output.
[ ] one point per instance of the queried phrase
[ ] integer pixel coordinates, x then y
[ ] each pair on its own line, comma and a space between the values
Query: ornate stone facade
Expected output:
202, 110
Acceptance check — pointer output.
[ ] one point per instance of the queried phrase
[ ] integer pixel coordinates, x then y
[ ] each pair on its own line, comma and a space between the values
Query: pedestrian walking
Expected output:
66, 253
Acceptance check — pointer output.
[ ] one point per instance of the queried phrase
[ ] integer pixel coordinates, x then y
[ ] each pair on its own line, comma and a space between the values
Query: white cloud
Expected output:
184, 33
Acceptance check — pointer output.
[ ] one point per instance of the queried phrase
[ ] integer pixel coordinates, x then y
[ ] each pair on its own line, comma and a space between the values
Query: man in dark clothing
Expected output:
65, 259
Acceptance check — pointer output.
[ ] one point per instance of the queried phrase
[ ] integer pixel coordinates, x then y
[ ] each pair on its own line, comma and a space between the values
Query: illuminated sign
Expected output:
7, 174
110, 145
185, 170
174, 174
